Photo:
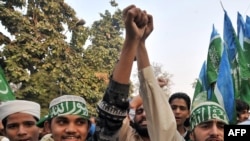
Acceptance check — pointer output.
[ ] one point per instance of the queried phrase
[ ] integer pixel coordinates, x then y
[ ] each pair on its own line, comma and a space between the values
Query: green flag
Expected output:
214, 56
244, 57
200, 92
5, 90
233, 46
246, 44
243, 49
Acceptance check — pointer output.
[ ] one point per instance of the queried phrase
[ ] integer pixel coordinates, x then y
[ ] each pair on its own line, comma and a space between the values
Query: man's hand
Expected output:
162, 82
135, 21
149, 28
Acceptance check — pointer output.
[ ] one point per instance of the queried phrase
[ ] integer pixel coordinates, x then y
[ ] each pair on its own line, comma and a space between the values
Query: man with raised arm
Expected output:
112, 110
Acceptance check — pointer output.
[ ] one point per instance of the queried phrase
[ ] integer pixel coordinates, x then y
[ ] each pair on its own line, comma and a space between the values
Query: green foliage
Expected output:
106, 38
39, 57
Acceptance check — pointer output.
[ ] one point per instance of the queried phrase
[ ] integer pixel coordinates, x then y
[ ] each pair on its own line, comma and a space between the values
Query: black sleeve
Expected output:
112, 110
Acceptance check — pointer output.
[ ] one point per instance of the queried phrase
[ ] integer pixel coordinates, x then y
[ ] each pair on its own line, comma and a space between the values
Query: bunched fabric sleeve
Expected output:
112, 109
160, 118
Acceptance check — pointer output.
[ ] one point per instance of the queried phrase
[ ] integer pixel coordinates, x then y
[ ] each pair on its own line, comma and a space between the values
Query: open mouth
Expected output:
177, 119
143, 123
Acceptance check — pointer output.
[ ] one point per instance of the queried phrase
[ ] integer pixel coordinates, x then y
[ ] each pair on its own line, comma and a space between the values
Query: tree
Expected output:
38, 56
106, 38
106, 41
44, 56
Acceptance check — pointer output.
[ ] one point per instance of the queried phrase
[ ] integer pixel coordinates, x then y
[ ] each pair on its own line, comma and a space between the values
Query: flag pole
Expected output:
222, 5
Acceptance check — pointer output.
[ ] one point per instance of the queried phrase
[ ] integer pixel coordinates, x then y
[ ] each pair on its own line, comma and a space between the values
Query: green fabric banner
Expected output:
5, 90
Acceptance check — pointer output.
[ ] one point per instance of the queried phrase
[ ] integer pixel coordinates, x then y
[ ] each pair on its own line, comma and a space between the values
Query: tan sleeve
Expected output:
160, 117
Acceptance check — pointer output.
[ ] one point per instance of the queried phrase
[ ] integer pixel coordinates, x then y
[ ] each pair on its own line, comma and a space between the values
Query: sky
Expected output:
182, 30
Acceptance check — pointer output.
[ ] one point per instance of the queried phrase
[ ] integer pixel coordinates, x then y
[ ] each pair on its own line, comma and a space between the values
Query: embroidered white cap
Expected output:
23, 106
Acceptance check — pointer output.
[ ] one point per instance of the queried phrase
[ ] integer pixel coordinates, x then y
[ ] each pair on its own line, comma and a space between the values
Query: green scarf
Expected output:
68, 105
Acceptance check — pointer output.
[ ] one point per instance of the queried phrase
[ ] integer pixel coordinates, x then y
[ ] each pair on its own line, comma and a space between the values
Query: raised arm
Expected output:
113, 107
134, 29
161, 123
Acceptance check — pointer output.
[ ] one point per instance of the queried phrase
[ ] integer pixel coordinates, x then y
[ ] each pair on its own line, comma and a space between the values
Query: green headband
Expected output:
207, 111
68, 105
40, 123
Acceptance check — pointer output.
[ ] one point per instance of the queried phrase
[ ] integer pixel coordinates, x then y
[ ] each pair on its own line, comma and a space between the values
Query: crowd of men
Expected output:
153, 115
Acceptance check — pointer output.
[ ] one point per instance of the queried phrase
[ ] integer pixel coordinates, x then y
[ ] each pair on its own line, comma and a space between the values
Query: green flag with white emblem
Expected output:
214, 56
6, 93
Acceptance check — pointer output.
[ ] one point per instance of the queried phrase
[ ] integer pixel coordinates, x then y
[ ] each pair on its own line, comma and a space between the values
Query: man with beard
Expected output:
140, 122
159, 120
135, 124
137, 117
207, 122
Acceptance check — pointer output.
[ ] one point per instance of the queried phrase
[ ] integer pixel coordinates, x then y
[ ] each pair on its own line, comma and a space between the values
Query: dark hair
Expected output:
181, 95
241, 106
186, 98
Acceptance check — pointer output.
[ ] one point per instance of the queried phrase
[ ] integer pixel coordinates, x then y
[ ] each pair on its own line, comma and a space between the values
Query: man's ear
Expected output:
2, 132
188, 116
191, 136
47, 126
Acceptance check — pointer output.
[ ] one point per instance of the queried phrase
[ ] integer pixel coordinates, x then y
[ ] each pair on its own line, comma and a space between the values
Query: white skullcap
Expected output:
23, 106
